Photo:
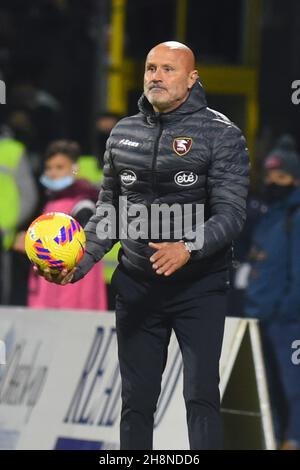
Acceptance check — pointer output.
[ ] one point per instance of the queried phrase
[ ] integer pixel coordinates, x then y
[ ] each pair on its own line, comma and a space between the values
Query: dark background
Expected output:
53, 45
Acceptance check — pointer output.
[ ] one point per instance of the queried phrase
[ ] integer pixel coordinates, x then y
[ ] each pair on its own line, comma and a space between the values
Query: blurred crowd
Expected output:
59, 179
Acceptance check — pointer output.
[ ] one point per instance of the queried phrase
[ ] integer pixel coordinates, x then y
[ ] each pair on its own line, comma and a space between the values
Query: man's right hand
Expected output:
63, 278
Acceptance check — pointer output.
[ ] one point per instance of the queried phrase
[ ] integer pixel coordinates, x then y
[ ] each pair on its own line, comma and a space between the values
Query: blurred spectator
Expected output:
7, 35
77, 198
256, 208
104, 124
36, 117
273, 293
18, 199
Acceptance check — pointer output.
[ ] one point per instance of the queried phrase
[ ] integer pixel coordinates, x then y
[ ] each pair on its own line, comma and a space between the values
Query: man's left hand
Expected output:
169, 257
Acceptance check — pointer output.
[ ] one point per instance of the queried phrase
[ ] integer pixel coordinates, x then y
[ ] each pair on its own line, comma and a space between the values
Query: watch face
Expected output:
189, 246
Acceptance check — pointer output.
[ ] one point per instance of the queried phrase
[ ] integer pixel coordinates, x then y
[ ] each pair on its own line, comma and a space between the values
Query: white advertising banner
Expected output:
60, 387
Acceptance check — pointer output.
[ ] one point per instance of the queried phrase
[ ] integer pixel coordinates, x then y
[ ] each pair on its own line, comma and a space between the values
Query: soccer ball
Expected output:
56, 241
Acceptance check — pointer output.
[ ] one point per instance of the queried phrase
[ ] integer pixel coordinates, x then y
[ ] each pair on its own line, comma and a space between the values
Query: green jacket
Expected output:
11, 153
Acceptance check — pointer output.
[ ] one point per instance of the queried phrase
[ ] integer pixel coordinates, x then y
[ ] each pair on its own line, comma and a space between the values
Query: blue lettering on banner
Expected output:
96, 400
22, 383
65, 443
98, 390
71, 443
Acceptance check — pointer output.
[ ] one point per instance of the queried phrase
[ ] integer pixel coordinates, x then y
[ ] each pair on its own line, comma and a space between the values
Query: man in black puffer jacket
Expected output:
174, 151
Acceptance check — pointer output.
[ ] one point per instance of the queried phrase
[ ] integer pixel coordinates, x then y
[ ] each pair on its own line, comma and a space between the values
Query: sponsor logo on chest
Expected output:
185, 178
129, 143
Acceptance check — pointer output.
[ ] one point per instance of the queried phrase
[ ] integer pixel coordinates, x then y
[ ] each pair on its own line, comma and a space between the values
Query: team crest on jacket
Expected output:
182, 145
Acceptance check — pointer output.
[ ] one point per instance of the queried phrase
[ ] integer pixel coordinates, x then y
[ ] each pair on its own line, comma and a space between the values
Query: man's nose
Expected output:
156, 76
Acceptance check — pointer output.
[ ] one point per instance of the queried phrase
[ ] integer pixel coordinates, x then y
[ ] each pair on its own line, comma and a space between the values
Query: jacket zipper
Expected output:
155, 152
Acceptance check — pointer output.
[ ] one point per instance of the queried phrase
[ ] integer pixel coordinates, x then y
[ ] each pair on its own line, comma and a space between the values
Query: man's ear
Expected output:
193, 78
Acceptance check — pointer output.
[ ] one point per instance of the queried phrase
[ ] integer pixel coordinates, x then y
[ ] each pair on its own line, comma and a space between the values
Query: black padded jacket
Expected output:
191, 155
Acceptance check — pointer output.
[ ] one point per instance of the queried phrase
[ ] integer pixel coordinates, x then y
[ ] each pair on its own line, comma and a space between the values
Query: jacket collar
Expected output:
195, 101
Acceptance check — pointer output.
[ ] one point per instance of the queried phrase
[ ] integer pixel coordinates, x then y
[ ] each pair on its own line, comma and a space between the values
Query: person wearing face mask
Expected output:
273, 292
76, 197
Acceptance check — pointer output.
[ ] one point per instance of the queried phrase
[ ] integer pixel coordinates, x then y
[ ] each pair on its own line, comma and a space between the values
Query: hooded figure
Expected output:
273, 293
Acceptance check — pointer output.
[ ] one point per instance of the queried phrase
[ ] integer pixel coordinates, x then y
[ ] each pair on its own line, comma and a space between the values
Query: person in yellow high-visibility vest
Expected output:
89, 169
18, 201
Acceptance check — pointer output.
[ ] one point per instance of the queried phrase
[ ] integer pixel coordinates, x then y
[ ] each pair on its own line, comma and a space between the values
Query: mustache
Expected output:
155, 85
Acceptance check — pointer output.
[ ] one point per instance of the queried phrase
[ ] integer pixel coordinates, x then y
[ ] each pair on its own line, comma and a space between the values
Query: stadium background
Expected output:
89, 56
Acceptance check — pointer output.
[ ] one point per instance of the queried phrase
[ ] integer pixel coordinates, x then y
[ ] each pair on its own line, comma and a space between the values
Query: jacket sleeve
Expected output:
101, 231
289, 306
227, 187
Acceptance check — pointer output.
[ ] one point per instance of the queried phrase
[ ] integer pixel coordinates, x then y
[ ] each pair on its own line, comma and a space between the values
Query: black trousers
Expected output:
146, 313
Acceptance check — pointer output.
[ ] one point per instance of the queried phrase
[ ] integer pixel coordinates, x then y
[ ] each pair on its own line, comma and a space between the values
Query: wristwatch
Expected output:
189, 246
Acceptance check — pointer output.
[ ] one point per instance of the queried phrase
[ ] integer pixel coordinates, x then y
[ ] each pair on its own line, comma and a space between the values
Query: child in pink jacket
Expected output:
77, 198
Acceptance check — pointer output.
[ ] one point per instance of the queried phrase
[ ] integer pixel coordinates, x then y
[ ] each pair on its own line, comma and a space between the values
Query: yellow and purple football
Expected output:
55, 240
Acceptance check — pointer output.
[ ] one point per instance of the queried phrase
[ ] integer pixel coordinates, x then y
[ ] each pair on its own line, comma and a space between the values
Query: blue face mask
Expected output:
58, 184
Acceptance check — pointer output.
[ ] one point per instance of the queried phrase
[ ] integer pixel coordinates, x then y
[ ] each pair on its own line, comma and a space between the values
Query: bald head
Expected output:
169, 75
180, 50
